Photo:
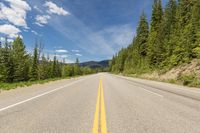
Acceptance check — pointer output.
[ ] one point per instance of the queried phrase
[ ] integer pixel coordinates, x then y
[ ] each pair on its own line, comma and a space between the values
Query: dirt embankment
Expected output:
186, 74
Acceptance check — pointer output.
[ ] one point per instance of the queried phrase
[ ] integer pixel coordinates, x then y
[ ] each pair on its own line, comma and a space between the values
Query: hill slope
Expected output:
95, 64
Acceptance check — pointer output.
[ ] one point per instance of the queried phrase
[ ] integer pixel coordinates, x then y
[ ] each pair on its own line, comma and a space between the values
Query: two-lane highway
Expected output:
101, 103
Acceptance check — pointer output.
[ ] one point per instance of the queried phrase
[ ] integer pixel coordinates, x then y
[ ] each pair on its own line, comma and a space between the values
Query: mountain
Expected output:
95, 64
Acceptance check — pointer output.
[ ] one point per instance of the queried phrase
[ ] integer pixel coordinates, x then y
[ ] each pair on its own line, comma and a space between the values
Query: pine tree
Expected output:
153, 46
6, 63
174, 38
121, 60
0, 44
142, 35
157, 14
34, 68
49, 67
20, 58
67, 71
54, 74
196, 27
185, 35
196, 50
58, 69
77, 68
43, 69
111, 64
167, 30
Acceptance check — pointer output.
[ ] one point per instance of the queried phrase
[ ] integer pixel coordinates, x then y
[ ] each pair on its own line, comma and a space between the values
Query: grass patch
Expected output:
187, 79
9, 86
172, 81
190, 80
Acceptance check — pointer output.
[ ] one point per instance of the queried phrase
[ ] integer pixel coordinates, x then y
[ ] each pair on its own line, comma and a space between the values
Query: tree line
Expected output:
17, 65
171, 38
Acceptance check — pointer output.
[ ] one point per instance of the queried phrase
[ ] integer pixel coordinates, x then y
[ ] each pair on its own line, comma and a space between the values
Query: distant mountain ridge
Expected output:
95, 64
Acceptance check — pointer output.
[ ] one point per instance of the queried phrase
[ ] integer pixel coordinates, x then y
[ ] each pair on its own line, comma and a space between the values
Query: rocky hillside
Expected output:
186, 74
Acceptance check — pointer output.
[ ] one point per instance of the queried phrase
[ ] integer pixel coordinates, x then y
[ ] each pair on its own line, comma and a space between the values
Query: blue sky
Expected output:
87, 29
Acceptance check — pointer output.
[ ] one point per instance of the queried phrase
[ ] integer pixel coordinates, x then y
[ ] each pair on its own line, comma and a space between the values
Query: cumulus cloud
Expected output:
61, 58
34, 32
15, 12
69, 61
37, 9
78, 54
54, 9
42, 19
2, 39
9, 30
10, 40
61, 51
76, 51
1, 14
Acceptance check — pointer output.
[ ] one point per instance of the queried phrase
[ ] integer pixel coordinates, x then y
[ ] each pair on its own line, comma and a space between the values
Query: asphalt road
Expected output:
101, 103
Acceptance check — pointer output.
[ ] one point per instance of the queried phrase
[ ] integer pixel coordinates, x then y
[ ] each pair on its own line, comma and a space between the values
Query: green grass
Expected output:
190, 80
172, 81
8, 86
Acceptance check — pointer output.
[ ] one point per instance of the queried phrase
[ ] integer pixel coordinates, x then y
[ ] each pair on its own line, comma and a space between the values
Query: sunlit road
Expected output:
101, 103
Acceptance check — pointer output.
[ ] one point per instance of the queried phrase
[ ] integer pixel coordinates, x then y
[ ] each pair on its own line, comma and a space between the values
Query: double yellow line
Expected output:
99, 125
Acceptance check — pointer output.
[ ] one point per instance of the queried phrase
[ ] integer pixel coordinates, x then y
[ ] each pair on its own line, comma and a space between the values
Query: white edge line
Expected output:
146, 89
40, 95
184, 88
152, 92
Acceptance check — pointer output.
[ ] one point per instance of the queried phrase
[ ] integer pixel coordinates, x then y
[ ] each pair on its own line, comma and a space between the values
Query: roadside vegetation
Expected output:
170, 43
9, 86
19, 68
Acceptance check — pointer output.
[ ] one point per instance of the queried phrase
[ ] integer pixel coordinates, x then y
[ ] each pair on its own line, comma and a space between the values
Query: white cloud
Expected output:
63, 56
78, 54
15, 13
60, 58
37, 9
61, 51
10, 40
2, 39
9, 30
34, 32
13, 35
118, 36
76, 51
53, 8
42, 19
68, 61
1, 14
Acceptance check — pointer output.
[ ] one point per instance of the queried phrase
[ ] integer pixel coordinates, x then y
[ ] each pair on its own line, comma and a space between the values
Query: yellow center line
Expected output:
103, 112
100, 112
96, 116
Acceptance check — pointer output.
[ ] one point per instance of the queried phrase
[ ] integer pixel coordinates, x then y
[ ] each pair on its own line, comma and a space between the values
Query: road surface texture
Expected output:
101, 103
